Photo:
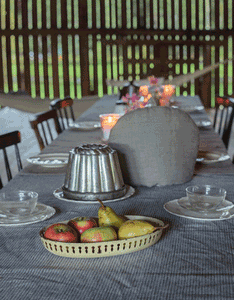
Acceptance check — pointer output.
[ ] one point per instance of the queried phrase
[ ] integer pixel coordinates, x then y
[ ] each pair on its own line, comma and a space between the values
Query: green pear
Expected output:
108, 217
135, 228
98, 234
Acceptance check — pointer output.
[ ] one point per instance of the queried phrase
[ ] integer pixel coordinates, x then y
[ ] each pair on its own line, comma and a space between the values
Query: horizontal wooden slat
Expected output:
126, 32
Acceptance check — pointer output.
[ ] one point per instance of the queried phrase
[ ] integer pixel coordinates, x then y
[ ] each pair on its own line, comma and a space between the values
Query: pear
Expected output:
135, 228
108, 217
98, 234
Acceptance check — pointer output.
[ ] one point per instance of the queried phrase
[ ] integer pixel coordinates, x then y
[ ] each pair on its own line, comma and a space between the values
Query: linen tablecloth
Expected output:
192, 260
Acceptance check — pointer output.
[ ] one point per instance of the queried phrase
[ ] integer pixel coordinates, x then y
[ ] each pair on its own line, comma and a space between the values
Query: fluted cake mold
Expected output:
93, 172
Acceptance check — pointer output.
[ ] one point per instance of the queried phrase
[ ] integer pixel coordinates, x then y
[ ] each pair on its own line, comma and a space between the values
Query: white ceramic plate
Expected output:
59, 195
41, 213
174, 208
203, 123
86, 125
187, 108
190, 109
206, 157
50, 160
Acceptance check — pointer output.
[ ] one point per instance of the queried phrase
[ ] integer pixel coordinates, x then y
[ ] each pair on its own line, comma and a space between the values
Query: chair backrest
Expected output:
223, 119
129, 89
63, 107
46, 127
7, 140
116, 83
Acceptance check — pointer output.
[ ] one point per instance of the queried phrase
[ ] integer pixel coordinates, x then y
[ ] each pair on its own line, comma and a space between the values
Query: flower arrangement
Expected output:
152, 95
135, 101
161, 94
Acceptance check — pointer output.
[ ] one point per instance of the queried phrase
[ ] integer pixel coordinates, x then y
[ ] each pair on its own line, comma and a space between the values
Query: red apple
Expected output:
82, 223
62, 233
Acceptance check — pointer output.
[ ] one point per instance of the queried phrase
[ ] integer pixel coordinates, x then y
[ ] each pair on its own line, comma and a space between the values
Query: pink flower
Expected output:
135, 98
153, 80
125, 99
134, 101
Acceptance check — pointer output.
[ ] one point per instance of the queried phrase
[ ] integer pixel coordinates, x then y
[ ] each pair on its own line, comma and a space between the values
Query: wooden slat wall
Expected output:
55, 48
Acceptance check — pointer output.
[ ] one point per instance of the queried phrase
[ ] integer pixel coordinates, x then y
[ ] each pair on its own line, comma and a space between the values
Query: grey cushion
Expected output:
156, 146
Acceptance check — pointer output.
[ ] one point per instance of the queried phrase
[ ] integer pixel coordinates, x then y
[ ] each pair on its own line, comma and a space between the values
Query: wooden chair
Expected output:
223, 119
124, 87
129, 89
46, 130
61, 106
6, 140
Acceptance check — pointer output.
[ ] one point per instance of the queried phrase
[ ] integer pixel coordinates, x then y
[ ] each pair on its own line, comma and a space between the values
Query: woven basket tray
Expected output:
104, 249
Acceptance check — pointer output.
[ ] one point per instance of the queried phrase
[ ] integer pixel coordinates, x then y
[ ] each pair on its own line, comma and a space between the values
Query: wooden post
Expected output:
84, 57
66, 79
27, 75
44, 52
8, 49
54, 46
206, 83
35, 50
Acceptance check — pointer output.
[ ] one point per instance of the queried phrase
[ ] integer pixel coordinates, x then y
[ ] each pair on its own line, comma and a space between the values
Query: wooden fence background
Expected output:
54, 48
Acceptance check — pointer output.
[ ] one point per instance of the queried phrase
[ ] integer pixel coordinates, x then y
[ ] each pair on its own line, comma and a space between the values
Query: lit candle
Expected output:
108, 121
168, 91
144, 91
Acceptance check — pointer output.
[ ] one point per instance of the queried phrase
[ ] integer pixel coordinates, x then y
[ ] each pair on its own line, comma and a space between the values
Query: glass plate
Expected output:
86, 125
59, 195
207, 157
50, 160
174, 208
41, 213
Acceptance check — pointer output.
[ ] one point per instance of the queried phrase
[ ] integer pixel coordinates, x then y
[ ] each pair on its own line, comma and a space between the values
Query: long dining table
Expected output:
192, 260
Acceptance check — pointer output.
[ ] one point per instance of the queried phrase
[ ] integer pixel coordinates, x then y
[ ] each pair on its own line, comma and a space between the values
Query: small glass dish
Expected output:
17, 204
203, 198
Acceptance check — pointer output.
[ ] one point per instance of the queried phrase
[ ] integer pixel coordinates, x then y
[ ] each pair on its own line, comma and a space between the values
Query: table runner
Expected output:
192, 260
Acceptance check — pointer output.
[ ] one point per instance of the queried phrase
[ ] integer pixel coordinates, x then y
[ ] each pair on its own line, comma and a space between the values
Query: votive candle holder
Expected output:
108, 121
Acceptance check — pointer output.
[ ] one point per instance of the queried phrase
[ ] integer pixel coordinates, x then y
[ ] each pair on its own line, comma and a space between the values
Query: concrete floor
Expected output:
15, 115
35, 105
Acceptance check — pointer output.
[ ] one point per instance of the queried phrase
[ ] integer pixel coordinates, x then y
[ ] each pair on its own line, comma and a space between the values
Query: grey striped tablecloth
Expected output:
192, 260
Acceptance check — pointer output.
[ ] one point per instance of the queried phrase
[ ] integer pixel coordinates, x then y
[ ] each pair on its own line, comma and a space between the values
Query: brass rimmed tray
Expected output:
104, 249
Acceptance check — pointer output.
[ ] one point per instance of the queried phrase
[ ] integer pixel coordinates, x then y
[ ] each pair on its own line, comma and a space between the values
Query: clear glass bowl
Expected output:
15, 204
204, 198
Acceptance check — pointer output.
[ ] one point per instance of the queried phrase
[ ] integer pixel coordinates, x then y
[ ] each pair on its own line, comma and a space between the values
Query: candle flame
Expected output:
109, 120
168, 90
